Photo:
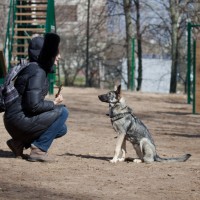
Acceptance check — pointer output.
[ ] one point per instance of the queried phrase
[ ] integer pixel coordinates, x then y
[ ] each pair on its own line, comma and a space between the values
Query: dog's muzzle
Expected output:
103, 98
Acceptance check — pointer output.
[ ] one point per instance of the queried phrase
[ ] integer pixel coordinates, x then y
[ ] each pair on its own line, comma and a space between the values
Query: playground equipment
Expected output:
193, 93
25, 19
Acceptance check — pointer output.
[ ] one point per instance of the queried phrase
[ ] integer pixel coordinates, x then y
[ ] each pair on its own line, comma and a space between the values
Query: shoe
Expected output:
16, 147
38, 155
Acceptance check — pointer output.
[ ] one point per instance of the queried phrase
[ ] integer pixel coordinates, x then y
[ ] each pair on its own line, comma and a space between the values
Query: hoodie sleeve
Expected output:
33, 97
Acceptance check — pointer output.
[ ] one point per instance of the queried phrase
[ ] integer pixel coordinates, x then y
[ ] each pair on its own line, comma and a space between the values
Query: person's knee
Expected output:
62, 132
64, 129
65, 112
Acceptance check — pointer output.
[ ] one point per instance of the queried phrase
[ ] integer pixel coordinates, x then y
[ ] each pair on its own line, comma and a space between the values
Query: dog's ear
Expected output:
119, 90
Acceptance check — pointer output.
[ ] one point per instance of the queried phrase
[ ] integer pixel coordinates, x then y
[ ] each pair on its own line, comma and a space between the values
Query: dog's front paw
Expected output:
121, 159
136, 160
114, 160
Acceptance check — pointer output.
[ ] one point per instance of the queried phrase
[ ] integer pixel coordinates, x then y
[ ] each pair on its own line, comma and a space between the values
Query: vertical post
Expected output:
189, 63
51, 27
194, 77
50, 19
133, 65
87, 46
197, 79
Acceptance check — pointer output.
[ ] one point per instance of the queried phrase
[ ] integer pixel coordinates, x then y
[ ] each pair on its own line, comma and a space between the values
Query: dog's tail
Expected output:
178, 159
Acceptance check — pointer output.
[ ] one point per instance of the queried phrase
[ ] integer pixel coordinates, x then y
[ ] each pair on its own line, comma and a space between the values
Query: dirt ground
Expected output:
82, 169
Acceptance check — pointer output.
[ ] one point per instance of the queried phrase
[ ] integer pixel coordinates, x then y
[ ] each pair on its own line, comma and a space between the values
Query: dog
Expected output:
131, 128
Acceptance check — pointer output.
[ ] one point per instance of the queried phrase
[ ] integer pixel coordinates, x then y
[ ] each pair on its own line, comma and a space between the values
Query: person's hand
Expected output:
58, 99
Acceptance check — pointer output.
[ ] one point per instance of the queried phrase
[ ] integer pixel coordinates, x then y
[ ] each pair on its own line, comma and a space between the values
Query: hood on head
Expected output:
44, 50
34, 48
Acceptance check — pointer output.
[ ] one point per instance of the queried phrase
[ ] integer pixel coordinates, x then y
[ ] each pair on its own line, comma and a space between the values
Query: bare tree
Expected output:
139, 44
175, 15
169, 28
133, 29
129, 36
82, 28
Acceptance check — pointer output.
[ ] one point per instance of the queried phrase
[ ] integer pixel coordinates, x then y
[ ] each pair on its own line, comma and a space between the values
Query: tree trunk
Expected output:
174, 48
139, 45
129, 35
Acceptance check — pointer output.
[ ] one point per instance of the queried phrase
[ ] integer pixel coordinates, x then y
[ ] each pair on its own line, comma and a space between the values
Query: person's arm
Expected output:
33, 100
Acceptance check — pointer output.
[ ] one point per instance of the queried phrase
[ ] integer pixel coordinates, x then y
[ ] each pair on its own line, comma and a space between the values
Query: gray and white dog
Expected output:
130, 128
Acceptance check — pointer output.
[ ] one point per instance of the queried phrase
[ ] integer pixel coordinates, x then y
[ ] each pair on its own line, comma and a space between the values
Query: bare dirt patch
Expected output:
82, 170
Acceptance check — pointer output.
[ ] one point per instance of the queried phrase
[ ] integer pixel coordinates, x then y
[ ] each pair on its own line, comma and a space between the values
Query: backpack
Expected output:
8, 93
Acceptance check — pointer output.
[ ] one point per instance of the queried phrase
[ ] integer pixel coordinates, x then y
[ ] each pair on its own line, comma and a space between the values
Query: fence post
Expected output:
189, 63
194, 77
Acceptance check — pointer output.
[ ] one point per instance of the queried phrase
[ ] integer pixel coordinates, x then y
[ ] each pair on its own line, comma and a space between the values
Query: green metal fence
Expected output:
191, 64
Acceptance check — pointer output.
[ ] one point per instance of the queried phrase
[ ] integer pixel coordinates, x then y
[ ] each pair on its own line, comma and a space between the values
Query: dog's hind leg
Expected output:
139, 153
148, 150
118, 148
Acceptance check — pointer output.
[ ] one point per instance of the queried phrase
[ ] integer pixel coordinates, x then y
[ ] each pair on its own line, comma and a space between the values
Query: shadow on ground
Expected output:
87, 156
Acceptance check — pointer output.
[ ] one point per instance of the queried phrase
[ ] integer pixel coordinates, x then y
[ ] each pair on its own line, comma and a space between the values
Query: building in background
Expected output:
72, 22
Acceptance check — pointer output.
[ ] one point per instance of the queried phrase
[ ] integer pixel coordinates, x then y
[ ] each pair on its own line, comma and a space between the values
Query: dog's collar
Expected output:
119, 116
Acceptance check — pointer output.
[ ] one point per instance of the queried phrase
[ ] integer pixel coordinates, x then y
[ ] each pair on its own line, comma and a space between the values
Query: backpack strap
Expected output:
10, 92
14, 71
